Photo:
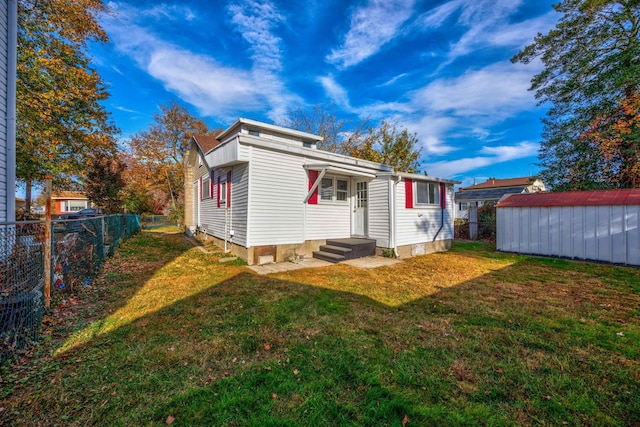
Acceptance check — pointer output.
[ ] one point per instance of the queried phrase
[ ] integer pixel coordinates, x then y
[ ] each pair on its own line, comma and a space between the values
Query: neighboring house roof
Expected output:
501, 183
69, 195
574, 198
206, 142
487, 194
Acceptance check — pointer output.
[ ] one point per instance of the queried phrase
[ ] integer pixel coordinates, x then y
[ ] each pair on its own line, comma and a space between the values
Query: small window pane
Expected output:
342, 190
326, 190
223, 192
427, 193
205, 188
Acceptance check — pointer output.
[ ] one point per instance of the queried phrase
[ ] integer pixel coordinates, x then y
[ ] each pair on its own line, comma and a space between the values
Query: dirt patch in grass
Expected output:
468, 337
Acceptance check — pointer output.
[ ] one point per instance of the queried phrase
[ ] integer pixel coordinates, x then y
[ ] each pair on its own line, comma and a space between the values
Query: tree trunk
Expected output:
27, 199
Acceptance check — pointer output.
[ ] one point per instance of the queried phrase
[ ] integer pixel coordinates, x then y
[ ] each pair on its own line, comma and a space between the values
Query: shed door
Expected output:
360, 217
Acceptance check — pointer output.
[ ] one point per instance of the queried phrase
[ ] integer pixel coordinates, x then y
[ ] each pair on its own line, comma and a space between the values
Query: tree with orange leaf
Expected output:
617, 137
60, 120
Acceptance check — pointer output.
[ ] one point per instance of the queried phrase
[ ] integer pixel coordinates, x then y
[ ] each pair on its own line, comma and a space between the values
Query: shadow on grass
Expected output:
522, 344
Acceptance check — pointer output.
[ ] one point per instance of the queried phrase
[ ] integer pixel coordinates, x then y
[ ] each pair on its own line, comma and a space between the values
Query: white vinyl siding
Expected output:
597, 233
421, 223
379, 211
213, 218
278, 188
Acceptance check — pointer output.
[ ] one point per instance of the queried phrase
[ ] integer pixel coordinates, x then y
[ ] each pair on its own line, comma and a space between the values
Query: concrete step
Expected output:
339, 250
359, 247
328, 256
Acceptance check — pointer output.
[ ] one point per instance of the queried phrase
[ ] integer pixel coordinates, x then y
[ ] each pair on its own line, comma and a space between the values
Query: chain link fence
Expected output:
77, 249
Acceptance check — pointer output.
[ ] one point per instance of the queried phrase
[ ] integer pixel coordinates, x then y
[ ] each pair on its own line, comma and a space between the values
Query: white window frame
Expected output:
334, 193
223, 193
206, 187
430, 203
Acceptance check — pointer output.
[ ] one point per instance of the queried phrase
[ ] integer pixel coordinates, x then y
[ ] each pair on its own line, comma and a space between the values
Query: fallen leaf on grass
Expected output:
275, 396
296, 372
405, 420
267, 346
170, 420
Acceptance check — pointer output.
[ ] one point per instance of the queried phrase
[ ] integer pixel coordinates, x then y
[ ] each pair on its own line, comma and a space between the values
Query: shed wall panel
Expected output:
632, 221
599, 233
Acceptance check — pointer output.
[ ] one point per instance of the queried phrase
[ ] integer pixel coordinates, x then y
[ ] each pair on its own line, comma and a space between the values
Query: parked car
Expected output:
84, 213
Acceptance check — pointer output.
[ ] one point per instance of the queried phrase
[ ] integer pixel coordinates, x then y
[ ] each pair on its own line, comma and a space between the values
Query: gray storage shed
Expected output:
588, 225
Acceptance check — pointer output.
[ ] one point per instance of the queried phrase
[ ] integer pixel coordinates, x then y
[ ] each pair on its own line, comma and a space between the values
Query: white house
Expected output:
8, 34
492, 190
264, 192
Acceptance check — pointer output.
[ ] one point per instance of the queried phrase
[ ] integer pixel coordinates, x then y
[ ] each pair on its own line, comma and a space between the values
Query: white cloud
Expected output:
200, 80
393, 80
486, 23
496, 91
489, 156
336, 92
372, 26
255, 22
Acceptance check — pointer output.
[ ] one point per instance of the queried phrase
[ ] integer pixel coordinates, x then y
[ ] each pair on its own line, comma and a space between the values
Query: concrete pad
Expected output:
279, 267
371, 262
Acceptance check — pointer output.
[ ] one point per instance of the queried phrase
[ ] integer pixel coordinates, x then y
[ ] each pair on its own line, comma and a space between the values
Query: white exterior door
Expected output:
360, 216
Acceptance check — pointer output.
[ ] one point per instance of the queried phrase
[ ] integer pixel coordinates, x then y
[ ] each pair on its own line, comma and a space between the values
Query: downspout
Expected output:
393, 182
443, 206
12, 41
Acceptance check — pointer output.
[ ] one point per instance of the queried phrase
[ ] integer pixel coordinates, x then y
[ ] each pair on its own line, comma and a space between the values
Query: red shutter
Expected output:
313, 176
200, 186
211, 184
408, 193
229, 188
218, 191
443, 195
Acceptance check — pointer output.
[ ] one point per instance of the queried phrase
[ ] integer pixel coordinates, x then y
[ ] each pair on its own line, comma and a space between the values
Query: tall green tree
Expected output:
591, 65
392, 146
60, 120
157, 154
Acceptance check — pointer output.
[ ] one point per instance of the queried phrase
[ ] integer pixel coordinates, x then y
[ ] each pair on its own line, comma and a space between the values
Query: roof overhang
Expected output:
341, 169
418, 177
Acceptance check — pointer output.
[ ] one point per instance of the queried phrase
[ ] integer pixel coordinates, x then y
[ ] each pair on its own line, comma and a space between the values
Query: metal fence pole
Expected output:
47, 244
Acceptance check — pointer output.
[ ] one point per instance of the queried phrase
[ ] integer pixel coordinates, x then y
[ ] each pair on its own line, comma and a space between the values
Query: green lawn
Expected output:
467, 337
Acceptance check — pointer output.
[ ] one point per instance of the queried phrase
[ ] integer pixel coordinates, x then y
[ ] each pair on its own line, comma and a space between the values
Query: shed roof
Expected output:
206, 142
487, 194
573, 198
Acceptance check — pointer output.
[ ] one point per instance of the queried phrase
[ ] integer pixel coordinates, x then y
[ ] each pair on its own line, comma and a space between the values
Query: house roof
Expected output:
574, 198
487, 194
274, 128
206, 142
501, 183
68, 195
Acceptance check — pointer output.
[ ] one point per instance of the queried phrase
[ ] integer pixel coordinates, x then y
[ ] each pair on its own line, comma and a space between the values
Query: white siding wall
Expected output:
278, 188
419, 225
212, 217
379, 211
279, 185
599, 233
330, 221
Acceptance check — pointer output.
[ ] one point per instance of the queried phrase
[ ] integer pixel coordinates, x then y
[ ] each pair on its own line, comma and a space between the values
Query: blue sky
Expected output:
439, 68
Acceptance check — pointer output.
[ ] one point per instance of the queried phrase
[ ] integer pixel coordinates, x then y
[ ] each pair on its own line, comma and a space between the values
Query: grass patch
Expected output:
467, 337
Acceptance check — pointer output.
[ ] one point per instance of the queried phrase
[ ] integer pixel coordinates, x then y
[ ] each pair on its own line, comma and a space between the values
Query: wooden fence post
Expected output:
47, 244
